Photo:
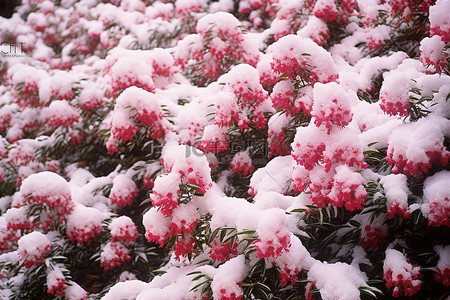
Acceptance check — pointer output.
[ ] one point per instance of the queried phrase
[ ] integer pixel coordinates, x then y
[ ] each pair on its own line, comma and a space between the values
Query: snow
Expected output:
60, 112
32, 247
273, 177
444, 257
45, 184
227, 277
75, 292
84, 223
439, 19
127, 290
396, 191
415, 146
401, 273
337, 280
436, 196
163, 94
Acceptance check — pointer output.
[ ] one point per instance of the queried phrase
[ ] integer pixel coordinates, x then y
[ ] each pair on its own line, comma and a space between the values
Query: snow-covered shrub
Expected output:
241, 149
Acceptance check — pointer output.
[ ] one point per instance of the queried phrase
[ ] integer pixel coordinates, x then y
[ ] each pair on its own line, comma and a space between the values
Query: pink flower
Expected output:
184, 219
61, 113
157, 226
326, 10
432, 53
84, 224
288, 275
321, 185
399, 6
165, 193
439, 214
373, 236
56, 282
277, 144
21, 155
415, 147
113, 255
16, 219
123, 191
91, 98
184, 246
222, 251
439, 22
343, 147
308, 146
242, 163
273, 236
300, 178
243, 80
401, 274
331, 106
225, 295
48, 189
348, 189
213, 140
394, 105
129, 71
123, 229
32, 248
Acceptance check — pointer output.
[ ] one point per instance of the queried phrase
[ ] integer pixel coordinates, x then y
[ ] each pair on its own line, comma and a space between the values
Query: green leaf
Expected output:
193, 273
198, 277
298, 210
246, 232
354, 223
213, 235
195, 288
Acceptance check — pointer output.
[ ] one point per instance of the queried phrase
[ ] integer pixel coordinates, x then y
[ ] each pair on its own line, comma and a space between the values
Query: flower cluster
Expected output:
443, 266
128, 72
33, 247
436, 194
428, 152
136, 105
401, 274
242, 163
327, 163
165, 193
60, 113
432, 53
439, 25
84, 224
16, 219
273, 236
106, 106
374, 233
218, 44
113, 255
242, 99
123, 190
396, 191
123, 229
222, 251
47, 189
56, 282
295, 57
285, 96
213, 139
173, 212
331, 112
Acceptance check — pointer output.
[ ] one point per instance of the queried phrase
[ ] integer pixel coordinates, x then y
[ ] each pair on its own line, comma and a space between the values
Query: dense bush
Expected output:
199, 149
